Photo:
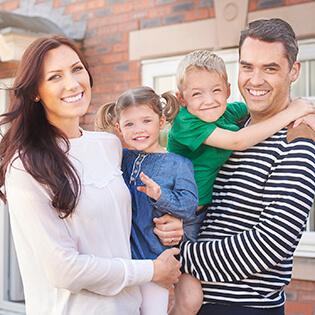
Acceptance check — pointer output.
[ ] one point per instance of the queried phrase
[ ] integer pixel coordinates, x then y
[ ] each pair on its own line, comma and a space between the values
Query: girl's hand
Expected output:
168, 229
152, 189
300, 107
166, 268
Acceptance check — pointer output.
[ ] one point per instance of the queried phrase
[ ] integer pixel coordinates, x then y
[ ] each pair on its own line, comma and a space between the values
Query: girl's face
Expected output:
64, 87
139, 126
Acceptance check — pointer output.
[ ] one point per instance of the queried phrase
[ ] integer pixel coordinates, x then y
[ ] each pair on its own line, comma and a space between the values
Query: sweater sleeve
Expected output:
37, 229
287, 199
181, 200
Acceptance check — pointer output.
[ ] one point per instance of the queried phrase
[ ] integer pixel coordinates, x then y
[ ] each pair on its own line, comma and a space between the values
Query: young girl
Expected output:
160, 182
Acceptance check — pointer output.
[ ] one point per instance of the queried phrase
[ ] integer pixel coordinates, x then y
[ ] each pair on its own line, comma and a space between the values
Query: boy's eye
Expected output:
196, 94
217, 90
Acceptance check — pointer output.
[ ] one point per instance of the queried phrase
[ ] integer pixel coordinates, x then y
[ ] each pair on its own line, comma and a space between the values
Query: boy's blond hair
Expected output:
199, 60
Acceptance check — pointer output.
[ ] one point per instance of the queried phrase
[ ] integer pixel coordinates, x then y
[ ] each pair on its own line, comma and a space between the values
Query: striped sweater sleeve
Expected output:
262, 198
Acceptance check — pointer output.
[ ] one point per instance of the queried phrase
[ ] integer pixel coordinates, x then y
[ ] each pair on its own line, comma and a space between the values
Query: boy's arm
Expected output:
251, 135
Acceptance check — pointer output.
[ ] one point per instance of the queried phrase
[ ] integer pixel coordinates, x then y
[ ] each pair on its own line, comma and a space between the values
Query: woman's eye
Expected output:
78, 68
54, 77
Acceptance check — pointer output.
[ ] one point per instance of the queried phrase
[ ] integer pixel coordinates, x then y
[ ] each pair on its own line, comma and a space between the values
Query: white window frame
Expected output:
167, 66
6, 307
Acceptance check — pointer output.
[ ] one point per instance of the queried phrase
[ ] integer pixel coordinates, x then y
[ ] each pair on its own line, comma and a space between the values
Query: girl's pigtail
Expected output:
171, 108
105, 119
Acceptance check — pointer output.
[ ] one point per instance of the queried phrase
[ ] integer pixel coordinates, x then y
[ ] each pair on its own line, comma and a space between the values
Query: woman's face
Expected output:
64, 87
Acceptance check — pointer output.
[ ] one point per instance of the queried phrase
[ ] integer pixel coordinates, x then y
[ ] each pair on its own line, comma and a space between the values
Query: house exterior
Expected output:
130, 43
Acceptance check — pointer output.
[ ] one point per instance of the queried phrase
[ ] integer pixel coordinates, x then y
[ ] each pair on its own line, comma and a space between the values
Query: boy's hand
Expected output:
300, 107
152, 189
308, 120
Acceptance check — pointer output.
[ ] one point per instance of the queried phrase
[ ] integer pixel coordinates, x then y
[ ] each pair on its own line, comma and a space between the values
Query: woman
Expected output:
69, 208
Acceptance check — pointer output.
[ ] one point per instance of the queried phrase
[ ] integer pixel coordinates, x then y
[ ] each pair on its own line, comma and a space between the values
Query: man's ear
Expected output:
295, 71
180, 99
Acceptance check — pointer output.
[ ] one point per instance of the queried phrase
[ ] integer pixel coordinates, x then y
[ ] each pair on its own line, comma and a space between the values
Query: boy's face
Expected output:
205, 95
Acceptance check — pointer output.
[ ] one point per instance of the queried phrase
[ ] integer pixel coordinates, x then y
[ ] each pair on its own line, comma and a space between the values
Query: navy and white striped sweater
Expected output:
261, 201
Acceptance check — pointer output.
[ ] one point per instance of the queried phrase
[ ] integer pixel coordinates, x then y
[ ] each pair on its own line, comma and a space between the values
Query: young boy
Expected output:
206, 131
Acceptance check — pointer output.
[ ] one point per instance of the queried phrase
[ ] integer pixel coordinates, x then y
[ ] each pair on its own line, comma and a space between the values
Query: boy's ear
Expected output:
228, 90
162, 122
180, 99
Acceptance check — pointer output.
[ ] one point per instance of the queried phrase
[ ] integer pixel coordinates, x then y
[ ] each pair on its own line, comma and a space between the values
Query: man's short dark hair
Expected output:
273, 30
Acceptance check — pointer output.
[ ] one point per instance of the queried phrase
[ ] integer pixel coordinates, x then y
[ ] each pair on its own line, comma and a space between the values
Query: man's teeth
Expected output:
258, 93
73, 99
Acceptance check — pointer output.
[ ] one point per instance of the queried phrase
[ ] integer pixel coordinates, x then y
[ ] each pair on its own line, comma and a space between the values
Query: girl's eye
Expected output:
147, 121
128, 124
196, 93
217, 90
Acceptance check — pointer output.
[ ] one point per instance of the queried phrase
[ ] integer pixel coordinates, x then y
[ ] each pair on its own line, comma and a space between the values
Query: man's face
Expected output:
264, 77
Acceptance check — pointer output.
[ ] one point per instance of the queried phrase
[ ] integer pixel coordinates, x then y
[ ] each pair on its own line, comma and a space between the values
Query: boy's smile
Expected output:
205, 95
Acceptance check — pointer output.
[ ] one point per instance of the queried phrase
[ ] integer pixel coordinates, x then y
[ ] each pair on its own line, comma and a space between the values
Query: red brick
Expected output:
252, 5
196, 15
125, 7
96, 4
289, 2
134, 65
160, 11
113, 58
130, 76
299, 308
120, 47
77, 7
302, 285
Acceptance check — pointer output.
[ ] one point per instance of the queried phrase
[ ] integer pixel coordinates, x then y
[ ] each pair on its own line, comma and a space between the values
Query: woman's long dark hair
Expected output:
41, 146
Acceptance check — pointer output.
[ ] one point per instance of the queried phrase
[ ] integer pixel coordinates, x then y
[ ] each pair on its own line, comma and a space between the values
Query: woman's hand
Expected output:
168, 229
166, 268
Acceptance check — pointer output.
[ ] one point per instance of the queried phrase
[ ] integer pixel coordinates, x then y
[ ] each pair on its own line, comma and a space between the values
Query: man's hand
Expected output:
168, 229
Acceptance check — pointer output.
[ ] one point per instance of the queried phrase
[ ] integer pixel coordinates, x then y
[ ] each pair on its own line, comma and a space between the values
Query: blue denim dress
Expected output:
175, 175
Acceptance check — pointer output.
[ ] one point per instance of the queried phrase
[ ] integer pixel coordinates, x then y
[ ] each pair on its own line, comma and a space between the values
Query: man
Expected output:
262, 196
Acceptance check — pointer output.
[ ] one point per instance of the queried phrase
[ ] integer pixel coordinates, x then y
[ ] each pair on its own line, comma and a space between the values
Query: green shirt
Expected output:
186, 138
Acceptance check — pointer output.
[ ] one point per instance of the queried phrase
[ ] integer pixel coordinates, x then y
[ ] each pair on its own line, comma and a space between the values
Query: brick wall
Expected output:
300, 298
106, 42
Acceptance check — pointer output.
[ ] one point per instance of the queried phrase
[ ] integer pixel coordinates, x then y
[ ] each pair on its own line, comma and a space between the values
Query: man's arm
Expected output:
287, 198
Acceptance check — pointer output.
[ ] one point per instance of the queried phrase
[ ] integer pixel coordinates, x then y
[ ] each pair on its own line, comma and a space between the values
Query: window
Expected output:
11, 288
160, 75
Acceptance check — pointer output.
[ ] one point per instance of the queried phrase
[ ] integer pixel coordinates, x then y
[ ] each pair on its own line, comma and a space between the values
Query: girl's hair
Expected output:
41, 146
165, 104
199, 60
